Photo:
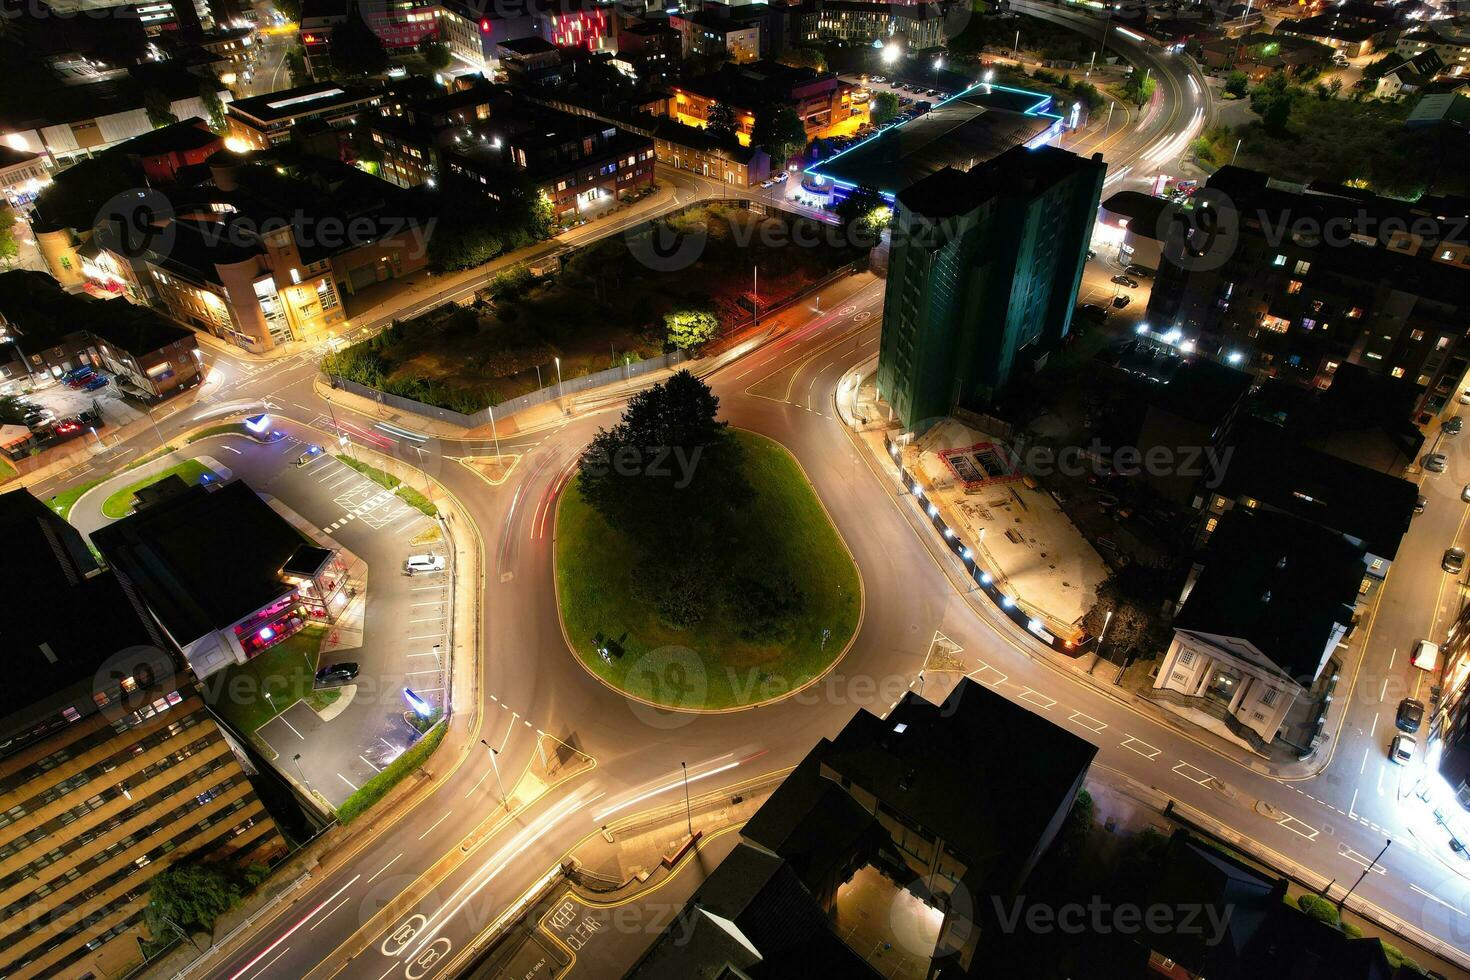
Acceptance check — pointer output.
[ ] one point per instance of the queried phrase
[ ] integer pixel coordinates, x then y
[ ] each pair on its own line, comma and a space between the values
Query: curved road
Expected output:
530, 682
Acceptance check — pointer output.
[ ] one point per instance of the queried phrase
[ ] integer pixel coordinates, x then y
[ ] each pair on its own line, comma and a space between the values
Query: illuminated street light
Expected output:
891, 53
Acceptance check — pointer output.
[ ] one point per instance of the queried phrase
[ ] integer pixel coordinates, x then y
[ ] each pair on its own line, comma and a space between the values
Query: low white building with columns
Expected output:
1262, 614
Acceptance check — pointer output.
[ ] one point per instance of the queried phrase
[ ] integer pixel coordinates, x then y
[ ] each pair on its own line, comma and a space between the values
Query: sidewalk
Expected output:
860, 409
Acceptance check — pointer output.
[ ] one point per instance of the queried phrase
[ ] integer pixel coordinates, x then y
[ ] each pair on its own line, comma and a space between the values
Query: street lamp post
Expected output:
1343, 901
428, 494
755, 294
302, 773
1237, 150
1097, 654
494, 764
558, 377
494, 434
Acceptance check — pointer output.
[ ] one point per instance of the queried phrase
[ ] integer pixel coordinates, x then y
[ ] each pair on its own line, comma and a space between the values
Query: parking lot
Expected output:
65, 402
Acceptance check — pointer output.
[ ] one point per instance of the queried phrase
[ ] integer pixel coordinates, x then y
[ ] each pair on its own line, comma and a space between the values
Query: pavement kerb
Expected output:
339, 845
1026, 647
815, 679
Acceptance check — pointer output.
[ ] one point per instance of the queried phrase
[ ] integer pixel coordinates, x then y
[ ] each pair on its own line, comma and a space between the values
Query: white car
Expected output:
424, 563
780, 178
1401, 749
1465, 397
1434, 462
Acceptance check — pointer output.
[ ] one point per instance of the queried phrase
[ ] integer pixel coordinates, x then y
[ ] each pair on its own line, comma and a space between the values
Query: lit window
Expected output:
1302, 267
1211, 524
1279, 260
1294, 287
1397, 372
1416, 335
1355, 313
71, 714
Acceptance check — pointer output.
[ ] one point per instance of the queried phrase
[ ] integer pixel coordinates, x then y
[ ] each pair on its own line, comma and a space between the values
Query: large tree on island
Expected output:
669, 476
721, 121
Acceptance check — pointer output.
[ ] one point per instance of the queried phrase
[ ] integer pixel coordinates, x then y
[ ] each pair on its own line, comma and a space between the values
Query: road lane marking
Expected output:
348, 782
1036, 698
1077, 716
290, 932
272, 962
1361, 859
1434, 899
324, 918
975, 675
1204, 778
385, 867
1310, 833
435, 824
1353, 806
1150, 754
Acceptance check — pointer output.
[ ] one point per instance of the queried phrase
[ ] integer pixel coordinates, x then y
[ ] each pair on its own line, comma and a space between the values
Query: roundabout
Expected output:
788, 609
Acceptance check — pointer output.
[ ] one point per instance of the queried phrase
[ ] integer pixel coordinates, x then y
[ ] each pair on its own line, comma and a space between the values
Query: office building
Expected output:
111, 768
263, 121
224, 576
913, 26
822, 101
983, 277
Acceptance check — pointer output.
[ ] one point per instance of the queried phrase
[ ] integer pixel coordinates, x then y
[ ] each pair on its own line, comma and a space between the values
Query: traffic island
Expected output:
782, 535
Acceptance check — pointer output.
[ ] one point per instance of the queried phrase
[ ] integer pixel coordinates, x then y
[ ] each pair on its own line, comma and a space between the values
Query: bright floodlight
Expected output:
421, 707
890, 54
1235, 357
258, 423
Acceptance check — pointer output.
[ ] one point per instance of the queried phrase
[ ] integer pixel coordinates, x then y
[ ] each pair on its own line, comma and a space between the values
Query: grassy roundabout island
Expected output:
749, 605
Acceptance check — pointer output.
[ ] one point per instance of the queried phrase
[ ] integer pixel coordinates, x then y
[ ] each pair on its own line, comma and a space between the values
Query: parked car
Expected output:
1121, 301
98, 382
1454, 560
66, 427
78, 373
781, 177
337, 673
424, 563
1434, 462
1465, 397
1420, 503
1453, 425
1401, 749
1425, 655
1410, 715
1125, 281
1139, 271
1465, 493
1094, 312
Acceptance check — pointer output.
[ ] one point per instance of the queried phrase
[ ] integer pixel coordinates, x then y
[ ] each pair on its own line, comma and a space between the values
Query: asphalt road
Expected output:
913, 588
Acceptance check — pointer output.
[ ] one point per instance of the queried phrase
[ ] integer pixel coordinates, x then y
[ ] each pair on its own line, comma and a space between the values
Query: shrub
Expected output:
1318, 908
376, 788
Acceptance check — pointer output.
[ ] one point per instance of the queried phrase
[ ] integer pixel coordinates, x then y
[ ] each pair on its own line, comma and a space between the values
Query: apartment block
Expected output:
112, 767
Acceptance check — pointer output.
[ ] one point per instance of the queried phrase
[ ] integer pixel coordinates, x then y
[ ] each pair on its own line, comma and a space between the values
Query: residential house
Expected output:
822, 101
1408, 76
695, 150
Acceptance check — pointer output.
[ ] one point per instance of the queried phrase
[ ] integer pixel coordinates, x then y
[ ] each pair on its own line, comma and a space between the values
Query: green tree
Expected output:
721, 122
435, 52
883, 108
865, 212
12, 410
289, 9
215, 106
804, 57
159, 108
780, 130
1139, 87
1318, 908
688, 329
1273, 100
766, 610
9, 247
190, 895
1236, 83
356, 50
668, 474
296, 65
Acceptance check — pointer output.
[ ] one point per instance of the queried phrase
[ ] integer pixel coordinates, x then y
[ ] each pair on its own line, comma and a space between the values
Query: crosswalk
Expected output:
362, 500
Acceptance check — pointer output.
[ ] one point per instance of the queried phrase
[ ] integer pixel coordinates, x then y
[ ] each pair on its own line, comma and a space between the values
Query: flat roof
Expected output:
962, 131
297, 101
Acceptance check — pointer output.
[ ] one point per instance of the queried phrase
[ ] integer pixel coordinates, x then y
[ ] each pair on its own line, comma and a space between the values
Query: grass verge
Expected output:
64, 501
224, 429
713, 666
376, 788
285, 672
388, 481
7, 472
120, 503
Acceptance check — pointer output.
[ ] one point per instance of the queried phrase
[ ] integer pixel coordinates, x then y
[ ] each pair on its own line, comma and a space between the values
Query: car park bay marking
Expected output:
1434, 899
1310, 833
1037, 698
1088, 722
1141, 747
1195, 775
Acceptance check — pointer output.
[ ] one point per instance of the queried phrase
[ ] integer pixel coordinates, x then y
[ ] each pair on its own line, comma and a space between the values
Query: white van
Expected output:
1425, 655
